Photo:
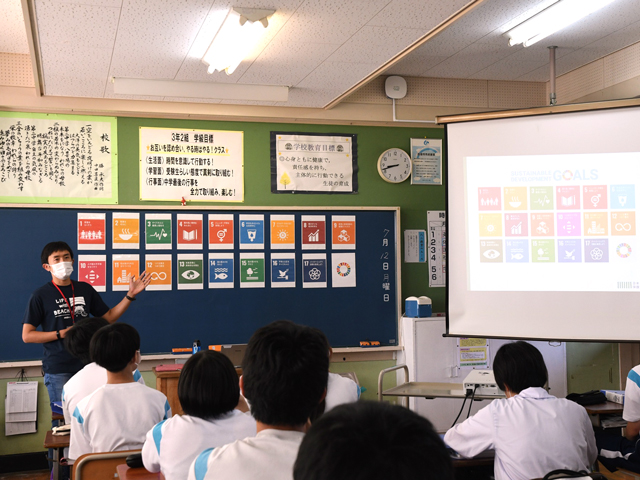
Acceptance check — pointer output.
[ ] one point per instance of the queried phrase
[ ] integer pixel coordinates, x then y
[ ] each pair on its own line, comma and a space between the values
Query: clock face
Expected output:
394, 165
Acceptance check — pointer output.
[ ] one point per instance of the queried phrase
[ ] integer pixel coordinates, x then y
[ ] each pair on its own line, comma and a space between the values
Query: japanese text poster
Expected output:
221, 270
124, 267
220, 231
126, 230
251, 270
312, 162
190, 271
283, 270
157, 231
46, 158
197, 165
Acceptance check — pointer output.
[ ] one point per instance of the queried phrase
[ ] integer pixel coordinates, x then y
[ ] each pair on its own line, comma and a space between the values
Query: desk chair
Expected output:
99, 466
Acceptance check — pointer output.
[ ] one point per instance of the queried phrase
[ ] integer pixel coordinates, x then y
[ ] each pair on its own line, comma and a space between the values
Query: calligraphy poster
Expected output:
93, 270
197, 165
47, 158
426, 161
91, 231
313, 163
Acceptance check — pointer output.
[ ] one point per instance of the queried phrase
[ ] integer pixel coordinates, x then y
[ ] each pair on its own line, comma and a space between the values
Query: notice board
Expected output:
321, 294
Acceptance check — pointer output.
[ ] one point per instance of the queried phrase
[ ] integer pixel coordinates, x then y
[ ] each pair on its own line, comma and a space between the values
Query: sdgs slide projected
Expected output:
553, 222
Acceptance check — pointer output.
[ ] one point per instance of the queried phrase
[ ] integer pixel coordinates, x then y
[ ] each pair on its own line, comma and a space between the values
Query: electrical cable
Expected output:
472, 397
461, 408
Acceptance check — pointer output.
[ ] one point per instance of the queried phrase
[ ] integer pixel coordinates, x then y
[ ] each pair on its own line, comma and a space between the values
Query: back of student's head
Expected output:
114, 346
53, 247
519, 365
78, 338
372, 441
208, 385
285, 371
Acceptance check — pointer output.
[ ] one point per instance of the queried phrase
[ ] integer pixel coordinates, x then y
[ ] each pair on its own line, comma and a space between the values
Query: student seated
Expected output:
372, 441
118, 415
340, 390
209, 393
531, 431
285, 377
86, 381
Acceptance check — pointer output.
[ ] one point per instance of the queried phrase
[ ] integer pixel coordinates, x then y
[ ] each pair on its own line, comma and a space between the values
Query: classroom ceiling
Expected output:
320, 48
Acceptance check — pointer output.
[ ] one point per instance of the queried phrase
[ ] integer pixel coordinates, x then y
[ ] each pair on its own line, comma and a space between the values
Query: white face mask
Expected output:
62, 270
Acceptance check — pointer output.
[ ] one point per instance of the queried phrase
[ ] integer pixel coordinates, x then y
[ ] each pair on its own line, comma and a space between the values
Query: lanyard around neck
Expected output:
73, 292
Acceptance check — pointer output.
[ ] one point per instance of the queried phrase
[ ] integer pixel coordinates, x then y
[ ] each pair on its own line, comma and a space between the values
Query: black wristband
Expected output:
131, 299
58, 335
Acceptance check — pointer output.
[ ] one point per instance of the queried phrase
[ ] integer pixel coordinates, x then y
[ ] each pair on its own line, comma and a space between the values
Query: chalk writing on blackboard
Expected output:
56, 159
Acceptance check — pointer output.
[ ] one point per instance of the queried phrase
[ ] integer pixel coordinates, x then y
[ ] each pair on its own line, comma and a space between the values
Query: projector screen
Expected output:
542, 234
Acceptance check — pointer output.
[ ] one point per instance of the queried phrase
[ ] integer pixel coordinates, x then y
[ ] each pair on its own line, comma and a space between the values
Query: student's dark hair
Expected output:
519, 365
285, 372
52, 247
372, 441
78, 338
208, 385
113, 347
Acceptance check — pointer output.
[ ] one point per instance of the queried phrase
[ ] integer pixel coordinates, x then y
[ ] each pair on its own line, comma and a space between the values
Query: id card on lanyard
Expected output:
72, 312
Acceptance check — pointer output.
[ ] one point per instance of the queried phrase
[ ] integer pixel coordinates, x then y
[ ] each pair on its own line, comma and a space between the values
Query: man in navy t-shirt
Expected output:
57, 305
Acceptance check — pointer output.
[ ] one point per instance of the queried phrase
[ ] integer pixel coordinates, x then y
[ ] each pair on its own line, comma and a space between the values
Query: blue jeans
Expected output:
54, 383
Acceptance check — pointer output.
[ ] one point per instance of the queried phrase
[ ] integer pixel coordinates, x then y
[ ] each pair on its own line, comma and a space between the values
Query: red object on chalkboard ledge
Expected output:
172, 367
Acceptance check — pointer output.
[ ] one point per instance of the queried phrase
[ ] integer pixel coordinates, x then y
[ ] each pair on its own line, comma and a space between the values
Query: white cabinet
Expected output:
433, 358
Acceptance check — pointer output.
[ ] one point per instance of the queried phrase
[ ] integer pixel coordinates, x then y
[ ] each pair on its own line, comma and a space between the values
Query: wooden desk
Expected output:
167, 383
606, 408
57, 443
126, 473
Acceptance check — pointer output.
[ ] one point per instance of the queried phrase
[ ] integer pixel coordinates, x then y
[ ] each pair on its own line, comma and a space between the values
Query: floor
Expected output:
37, 475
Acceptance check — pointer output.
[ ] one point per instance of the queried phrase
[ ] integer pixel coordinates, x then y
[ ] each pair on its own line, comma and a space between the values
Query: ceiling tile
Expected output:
153, 44
281, 64
13, 36
467, 62
375, 44
330, 21
515, 65
415, 65
65, 24
91, 73
424, 15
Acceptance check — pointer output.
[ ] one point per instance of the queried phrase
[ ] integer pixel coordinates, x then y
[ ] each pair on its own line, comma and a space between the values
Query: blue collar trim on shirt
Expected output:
634, 377
157, 435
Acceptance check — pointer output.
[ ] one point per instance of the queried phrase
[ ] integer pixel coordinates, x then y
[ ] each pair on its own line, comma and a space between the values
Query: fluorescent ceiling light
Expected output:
219, 91
556, 17
239, 33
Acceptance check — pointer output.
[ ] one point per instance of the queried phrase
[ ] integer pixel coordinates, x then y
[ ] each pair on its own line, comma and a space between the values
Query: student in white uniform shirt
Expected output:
340, 390
209, 393
118, 415
532, 432
284, 378
373, 441
86, 381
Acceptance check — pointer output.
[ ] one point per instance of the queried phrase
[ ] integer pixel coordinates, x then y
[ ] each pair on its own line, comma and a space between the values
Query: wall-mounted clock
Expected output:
394, 165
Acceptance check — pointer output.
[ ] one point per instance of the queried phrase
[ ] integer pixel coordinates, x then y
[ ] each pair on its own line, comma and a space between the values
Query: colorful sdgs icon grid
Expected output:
563, 224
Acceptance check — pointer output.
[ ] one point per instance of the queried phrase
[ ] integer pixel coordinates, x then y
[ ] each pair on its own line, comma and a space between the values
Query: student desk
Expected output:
127, 473
606, 408
57, 443
167, 383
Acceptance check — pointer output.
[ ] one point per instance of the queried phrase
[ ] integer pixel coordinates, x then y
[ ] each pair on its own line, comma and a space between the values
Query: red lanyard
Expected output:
72, 312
